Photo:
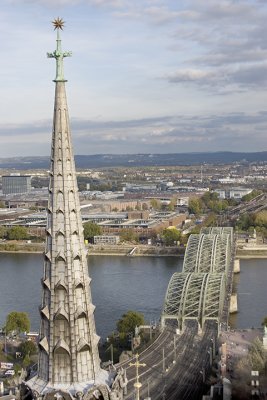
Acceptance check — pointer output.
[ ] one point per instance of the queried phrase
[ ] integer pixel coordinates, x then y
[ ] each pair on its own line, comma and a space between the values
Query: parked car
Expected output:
10, 372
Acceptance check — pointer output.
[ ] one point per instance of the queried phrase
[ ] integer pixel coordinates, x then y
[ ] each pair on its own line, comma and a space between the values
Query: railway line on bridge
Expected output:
257, 204
180, 374
195, 308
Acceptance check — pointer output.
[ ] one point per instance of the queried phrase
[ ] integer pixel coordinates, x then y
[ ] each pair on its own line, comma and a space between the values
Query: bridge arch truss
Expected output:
199, 291
194, 296
208, 253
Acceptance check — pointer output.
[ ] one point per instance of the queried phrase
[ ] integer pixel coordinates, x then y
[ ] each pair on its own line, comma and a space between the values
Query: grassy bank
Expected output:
21, 247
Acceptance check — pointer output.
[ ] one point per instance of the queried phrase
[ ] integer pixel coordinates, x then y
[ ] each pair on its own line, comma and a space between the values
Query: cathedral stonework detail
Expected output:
69, 364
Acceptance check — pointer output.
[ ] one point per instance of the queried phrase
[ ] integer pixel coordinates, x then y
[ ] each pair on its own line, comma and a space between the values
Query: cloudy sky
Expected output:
146, 76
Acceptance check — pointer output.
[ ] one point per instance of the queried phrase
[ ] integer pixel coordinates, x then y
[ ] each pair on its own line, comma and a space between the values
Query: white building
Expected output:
233, 193
106, 239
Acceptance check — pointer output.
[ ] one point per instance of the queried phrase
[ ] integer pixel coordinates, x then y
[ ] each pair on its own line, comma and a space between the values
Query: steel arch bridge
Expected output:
194, 296
208, 253
198, 292
219, 230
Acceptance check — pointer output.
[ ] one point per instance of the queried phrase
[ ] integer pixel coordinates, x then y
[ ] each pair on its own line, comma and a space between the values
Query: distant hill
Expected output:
135, 160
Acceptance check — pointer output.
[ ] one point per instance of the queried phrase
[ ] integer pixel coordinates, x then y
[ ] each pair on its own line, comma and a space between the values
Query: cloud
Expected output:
161, 15
210, 57
152, 12
59, 3
225, 38
223, 79
191, 75
253, 75
159, 134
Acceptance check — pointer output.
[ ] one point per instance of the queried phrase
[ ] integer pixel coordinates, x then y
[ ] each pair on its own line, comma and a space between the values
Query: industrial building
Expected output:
16, 184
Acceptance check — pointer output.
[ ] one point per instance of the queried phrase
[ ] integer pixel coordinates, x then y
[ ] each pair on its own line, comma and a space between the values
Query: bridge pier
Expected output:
236, 266
233, 304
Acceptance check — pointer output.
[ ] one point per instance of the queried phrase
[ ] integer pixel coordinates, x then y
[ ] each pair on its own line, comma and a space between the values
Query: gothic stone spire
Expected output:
68, 347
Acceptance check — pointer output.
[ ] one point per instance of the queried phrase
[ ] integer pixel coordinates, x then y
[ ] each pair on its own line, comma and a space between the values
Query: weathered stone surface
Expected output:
69, 364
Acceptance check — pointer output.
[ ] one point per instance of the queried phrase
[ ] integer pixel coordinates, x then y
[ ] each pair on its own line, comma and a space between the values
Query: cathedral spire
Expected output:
69, 364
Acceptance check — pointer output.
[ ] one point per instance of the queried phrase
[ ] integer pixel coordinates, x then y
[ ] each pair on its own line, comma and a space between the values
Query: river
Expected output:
120, 284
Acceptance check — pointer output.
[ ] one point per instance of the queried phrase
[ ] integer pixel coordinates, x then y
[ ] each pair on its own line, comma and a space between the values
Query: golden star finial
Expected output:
58, 23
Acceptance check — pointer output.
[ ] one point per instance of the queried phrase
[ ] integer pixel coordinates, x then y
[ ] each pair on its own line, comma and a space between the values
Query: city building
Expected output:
143, 223
106, 239
130, 187
232, 193
16, 184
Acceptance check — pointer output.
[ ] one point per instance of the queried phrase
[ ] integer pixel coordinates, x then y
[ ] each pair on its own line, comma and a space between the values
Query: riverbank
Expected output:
136, 250
14, 246
99, 250
127, 249
247, 251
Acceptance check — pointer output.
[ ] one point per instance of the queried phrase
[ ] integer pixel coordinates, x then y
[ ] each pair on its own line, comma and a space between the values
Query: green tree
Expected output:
209, 196
18, 322
245, 221
17, 233
28, 347
171, 235
2, 232
211, 220
155, 204
90, 230
26, 361
128, 235
195, 231
17, 369
172, 204
129, 321
261, 230
256, 355
2, 204
251, 195
261, 218
217, 205
195, 206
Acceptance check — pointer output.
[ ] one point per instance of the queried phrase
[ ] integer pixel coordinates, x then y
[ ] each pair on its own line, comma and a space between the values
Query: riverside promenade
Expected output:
251, 251
243, 251
122, 249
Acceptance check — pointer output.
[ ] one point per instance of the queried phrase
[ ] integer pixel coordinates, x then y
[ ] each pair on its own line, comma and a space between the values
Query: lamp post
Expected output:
111, 353
163, 361
5, 347
137, 383
210, 355
148, 391
202, 372
174, 349
213, 346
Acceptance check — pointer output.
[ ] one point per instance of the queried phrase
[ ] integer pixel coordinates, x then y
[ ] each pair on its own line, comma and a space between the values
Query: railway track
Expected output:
179, 375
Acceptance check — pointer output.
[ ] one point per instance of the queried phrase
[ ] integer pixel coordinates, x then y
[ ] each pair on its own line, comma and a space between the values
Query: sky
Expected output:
145, 76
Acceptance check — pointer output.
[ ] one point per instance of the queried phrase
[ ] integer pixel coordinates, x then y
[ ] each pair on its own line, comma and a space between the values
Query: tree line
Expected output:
14, 233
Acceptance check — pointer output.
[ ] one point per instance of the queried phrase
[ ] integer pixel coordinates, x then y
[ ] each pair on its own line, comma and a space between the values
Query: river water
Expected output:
120, 284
